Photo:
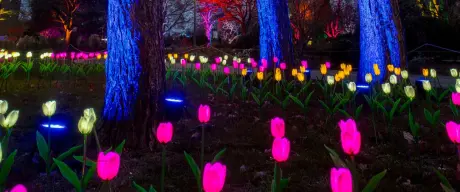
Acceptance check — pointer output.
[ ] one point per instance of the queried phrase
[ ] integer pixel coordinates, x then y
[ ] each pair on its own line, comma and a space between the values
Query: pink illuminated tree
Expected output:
207, 13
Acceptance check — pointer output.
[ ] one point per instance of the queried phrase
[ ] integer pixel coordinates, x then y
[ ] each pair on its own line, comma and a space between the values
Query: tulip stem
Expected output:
97, 140
202, 146
163, 168
84, 157
277, 178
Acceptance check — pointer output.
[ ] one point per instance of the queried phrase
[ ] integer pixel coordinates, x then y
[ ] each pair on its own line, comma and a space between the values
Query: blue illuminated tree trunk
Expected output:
275, 31
379, 40
135, 70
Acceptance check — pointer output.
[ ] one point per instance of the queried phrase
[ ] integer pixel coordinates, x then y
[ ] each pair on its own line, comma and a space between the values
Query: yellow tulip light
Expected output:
457, 88
244, 72
341, 74
49, 108
3, 107
426, 86
393, 79
330, 80
86, 123
377, 71
349, 68
10, 120
368, 78
352, 86
433, 73
425, 72
239, 60
224, 62
410, 92
301, 77
386, 87
337, 78
176, 55
277, 70
186, 56
323, 69
170, 56
390, 67
260, 76
398, 71
294, 72
278, 77
302, 69
343, 66
347, 73
375, 66
454, 73
404, 74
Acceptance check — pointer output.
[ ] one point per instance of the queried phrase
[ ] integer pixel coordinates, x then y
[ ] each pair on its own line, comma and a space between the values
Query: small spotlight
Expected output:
362, 86
53, 126
174, 105
174, 100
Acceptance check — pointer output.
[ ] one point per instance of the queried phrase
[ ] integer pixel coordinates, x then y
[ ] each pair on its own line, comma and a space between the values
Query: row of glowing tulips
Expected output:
6, 56
213, 179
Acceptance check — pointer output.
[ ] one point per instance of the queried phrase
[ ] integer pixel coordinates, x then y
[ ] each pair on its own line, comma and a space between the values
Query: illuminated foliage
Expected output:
65, 15
4, 13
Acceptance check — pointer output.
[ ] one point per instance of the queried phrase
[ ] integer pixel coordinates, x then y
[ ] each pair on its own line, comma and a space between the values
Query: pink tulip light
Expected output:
204, 113
198, 66
304, 64
453, 131
280, 149
235, 64
275, 59
277, 127
19, 188
226, 70
341, 180
72, 55
261, 69
217, 59
328, 64
108, 165
213, 67
214, 177
241, 65
164, 132
264, 63
456, 99
183, 62
350, 137
253, 64
283, 66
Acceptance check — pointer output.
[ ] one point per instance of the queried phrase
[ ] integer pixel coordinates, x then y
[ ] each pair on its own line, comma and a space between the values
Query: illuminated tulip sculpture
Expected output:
280, 152
330, 80
214, 177
456, 99
164, 135
49, 108
10, 120
277, 127
85, 126
350, 137
19, 188
453, 131
204, 115
341, 180
410, 92
352, 86
3, 107
107, 165
454, 73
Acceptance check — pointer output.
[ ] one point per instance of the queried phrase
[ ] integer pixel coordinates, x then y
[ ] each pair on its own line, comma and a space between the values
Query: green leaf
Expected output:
6, 167
443, 179
344, 113
297, 101
446, 189
88, 176
138, 187
335, 158
67, 173
428, 116
119, 148
65, 155
151, 189
219, 155
256, 99
89, 162
191, 162
443, 95
325, 106
284, 183
436, 115
42, 146
374, 182
393, 109
358, 111
404, 106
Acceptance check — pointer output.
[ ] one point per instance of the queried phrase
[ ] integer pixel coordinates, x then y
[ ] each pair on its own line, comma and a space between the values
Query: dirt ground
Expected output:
237, 127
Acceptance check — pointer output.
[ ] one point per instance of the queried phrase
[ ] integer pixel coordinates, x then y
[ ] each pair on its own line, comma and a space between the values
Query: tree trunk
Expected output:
68, 33
275, 31
400, 32
135, 71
